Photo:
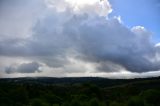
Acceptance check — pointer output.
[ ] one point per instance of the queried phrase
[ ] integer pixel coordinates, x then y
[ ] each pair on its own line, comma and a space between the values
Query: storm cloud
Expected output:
23, 68
62, 36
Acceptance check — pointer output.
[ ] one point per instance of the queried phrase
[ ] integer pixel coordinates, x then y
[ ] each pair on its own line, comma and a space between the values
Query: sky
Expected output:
144, 13
79, 38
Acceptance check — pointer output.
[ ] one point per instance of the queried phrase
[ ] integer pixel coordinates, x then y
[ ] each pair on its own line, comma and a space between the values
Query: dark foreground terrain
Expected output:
86, 91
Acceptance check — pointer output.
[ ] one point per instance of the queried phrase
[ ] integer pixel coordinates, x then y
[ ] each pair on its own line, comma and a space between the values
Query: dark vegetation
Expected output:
79, 92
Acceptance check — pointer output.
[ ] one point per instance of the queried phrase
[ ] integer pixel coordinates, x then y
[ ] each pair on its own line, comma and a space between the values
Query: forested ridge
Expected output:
85, 91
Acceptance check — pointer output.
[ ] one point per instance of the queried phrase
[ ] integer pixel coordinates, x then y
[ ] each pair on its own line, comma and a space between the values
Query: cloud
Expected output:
94, 7
23, 68
18, 17
82, 41
98, 40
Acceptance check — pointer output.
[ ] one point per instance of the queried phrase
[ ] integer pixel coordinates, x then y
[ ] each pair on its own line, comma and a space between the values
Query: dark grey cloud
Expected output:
12, 47
94, 39
23, 68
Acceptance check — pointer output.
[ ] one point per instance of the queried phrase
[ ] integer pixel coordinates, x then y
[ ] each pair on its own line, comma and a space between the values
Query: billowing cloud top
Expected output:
72, 38
96, 7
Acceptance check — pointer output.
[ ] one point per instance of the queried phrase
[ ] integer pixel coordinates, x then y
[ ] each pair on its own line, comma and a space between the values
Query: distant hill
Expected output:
103, 82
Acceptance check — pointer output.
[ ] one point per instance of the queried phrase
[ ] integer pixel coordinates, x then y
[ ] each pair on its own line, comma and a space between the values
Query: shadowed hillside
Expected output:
86, 91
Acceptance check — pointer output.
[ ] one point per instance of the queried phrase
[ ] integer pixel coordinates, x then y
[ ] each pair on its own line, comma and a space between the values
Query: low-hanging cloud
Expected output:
23, 68
89, 37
